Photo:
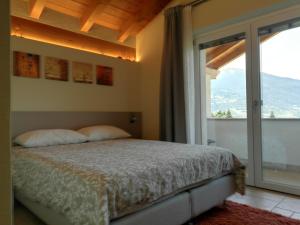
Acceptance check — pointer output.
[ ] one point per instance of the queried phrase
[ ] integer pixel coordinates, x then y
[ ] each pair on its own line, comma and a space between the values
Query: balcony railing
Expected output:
280, 137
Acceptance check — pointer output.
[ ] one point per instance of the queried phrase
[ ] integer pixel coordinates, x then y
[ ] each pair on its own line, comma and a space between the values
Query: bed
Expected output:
123, 182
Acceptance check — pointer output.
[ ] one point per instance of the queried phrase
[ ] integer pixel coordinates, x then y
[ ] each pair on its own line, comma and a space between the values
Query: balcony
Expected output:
281, 150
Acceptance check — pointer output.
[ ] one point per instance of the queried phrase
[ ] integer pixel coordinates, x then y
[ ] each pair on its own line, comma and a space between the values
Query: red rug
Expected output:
237, 214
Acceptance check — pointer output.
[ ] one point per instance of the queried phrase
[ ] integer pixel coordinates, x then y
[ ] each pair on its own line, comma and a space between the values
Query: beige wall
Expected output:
49, 95
149, 52
5, 180
150, 42
217, 11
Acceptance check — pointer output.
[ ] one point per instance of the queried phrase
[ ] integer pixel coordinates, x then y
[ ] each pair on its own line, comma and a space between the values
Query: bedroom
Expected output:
123, 88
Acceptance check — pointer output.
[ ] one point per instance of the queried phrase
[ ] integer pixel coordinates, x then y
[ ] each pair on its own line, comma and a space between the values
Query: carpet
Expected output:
237, 214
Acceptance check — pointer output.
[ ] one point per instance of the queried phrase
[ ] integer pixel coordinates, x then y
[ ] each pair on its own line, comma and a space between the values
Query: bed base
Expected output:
175, 210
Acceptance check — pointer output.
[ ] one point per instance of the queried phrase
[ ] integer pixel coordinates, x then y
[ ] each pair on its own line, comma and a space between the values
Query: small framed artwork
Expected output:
56, 69
82, 72
104, 75
26, 65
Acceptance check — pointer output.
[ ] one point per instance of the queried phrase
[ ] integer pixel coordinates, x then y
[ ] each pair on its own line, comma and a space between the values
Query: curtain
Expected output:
177, 102
172, 94
189, 78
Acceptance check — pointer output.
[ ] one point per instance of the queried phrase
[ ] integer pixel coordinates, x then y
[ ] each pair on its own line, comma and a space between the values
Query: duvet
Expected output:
95, 182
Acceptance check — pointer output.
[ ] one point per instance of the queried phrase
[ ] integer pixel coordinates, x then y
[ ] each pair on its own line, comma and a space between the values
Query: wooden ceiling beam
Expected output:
126, 16
52, 35
212, 53
36, 8
127, 28
219, 56
94, 10
227, 55
149, 9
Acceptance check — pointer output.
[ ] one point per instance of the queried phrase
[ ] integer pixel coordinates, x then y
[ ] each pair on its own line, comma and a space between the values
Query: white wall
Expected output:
50, 95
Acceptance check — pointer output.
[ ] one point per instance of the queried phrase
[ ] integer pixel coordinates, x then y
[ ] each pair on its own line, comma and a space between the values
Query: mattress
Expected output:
93, 183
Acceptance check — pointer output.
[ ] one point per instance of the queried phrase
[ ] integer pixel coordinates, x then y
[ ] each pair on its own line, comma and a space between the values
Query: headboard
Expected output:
26, 121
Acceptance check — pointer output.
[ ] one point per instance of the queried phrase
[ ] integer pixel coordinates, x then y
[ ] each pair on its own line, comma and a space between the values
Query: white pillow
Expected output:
48, 137
103, 132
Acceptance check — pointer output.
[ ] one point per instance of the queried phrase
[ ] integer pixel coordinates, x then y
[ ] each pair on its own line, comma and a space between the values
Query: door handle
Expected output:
256, 103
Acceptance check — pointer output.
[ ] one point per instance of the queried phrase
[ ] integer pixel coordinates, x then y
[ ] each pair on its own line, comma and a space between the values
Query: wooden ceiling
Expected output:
52, 35
128, 17
219, 56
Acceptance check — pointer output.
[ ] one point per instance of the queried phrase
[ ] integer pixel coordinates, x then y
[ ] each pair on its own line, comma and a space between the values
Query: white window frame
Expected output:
250, 28
273, 18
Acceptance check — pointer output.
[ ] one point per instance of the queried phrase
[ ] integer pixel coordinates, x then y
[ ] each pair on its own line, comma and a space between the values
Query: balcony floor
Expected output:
282, 176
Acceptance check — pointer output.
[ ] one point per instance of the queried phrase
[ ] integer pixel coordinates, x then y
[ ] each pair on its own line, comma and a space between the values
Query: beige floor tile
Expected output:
296, 216
256, 202
290, 203
266, 194
282, 212
233, 197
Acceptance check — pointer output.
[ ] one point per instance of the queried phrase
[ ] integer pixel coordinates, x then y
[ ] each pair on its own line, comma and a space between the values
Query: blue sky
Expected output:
280, 55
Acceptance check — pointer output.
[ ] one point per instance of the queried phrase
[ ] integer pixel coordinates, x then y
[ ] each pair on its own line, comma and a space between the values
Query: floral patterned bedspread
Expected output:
92, 183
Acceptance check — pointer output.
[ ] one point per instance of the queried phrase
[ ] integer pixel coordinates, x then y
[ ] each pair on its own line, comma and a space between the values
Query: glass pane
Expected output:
226, 102
280, 112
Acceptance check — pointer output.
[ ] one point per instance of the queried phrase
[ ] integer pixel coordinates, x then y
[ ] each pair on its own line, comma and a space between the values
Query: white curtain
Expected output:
189, 78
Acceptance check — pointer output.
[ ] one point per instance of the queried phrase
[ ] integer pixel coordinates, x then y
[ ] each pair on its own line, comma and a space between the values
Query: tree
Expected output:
272, 115
228, 114
222, 114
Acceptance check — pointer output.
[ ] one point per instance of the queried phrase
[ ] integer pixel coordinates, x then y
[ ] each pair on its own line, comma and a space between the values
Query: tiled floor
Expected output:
283, 204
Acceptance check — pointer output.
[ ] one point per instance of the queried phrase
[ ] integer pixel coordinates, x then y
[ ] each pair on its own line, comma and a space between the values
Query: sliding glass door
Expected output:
277, 117
250, 97
225, 77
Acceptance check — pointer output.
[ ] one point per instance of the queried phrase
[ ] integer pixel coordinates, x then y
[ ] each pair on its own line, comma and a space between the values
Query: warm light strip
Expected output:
52, 35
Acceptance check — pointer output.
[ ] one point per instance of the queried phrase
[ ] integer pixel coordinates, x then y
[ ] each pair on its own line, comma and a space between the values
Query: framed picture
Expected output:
26, 65
104, 75
56, 69
82, 72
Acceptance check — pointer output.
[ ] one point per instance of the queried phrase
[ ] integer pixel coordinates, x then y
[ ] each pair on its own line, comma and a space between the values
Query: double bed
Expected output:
123, 182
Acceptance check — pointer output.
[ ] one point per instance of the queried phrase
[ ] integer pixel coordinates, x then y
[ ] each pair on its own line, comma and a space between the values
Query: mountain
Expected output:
280, 95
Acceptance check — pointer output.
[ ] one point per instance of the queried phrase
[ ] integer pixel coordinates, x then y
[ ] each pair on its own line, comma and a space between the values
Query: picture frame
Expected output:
82, 72
56, 69
26, 65
104, 75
